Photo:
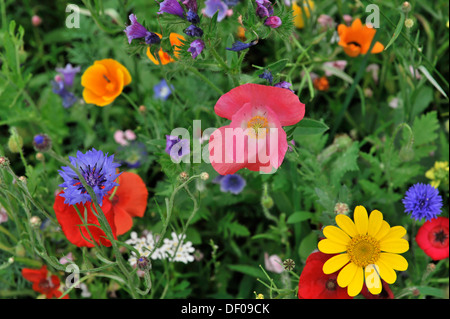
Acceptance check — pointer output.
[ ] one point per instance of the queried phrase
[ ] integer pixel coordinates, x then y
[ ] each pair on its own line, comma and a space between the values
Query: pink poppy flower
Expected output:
255, 138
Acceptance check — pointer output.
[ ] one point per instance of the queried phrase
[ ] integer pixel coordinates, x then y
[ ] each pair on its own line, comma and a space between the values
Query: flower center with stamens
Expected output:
363, 250
258, 126
92, 176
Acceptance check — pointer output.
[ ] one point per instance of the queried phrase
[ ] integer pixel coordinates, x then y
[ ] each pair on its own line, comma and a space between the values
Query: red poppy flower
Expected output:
314, 284
129, 200
432, 238
386, 292
255, 138
70, 222
43, 282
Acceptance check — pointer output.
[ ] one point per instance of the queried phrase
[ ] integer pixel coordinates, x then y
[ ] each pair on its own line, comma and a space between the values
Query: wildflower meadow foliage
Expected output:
224, 149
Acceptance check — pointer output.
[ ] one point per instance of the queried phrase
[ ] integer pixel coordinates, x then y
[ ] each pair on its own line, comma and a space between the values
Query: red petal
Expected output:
131, 194
122, 220
35, 275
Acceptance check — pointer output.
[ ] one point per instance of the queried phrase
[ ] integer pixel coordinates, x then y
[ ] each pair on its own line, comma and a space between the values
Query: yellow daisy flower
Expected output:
438, 173
298, 12
368, 249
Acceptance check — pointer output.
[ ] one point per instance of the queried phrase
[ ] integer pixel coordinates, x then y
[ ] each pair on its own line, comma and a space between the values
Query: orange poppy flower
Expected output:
104, 81
129, 200
175, 40
357, 38
321, 83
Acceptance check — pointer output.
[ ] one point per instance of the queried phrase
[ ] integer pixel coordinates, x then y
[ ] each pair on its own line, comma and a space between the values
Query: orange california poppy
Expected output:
357, 38
104, 81
129, 200
241, 33
321, 83
164, 57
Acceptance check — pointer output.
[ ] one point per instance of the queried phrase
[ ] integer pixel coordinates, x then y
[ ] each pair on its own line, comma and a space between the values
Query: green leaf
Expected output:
310, 127
432, 80
397, 31
430, 291
247, 270
308, 244
278, 66
298, 217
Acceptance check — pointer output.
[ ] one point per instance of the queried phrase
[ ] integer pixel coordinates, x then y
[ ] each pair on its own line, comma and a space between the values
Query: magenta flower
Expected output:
273, 22
171, 7
196, 48
137, 30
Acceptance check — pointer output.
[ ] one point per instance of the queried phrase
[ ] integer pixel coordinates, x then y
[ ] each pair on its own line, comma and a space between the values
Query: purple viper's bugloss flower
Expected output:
171, 7
68, 98
192, 17
68, 73
191, 5
239, 46
212, 6
176, 147
193, 31
99, 171
136, 31
232, 183
273, 22
267, 76
422, 201
284, 85
196, 48
264, 8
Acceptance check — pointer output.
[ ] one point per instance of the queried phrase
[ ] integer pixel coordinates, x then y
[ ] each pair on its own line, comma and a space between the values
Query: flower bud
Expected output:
341, 209
183, 176
204, 176
409, 23
35, 221
406, 7
4, 161
144, 263
36, 20
15, 143
42, 142
267, 202
273, 22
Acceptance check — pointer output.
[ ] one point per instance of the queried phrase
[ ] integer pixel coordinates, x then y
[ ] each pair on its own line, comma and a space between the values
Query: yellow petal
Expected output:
361, 220
335, 263
395, 261
347, 274
430, 173
375, 221
372, 277
346, 224
395, 233
356, 284
387, 273
328, 246
384, 229
396, 246
336, 234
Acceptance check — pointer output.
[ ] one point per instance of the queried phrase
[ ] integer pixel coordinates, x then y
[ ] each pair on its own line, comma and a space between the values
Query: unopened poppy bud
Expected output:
142, 109
15, 143
273, 22
267, 202
40, 157
431, 267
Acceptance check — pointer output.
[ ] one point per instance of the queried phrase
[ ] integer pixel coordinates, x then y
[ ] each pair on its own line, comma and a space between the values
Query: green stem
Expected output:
206, 80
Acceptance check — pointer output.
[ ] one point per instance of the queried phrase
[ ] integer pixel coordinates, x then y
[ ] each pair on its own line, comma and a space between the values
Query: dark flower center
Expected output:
45, 285
92, 176
354, 43
331, 284
440, 236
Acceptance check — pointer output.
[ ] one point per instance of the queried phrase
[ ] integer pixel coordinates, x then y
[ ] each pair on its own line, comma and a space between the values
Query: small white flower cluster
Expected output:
145, 245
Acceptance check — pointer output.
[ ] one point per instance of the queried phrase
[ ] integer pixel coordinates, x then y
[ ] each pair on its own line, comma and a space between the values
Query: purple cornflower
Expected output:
137, 31
68, 98
284, 85
162, 90
273, 22
191, 5
68, 73
171, 7
267, 76
264, 8
232, 183
212, 6
42, 142
422, 201
193, 31
176, 147
196, 48
239, 46
99, 171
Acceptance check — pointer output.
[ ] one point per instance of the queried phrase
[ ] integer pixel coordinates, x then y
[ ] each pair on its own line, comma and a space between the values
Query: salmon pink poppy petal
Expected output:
284, 103
131, 194
69, 220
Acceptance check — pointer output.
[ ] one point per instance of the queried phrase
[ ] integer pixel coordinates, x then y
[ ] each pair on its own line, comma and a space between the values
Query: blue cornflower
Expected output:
193, 31
68, 98
171, 7
137, 31
239, 46
68, 73
176, 147
196, 48
99, 171
422, 201
42, 142
267, 76
162, 90
232, 183
212, 6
